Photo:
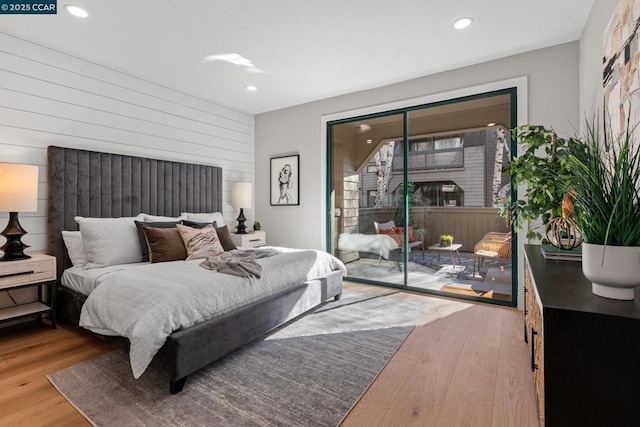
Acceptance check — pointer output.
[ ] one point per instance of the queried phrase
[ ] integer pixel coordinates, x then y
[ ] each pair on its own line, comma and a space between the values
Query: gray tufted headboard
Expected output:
103, 185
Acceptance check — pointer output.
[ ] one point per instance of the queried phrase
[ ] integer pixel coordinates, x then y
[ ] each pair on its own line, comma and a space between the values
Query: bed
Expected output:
103, 185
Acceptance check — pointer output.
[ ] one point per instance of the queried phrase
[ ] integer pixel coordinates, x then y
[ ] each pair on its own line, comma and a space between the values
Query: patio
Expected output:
492, 281
469, 225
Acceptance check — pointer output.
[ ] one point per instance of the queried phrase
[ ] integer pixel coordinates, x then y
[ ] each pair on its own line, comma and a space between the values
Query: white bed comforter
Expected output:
148, 303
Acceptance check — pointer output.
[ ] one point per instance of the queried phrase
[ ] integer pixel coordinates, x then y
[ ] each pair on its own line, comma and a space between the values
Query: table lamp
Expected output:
18, 193
241, 198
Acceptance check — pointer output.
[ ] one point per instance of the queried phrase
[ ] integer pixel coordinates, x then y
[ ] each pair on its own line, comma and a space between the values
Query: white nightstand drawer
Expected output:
39, 268
250, 240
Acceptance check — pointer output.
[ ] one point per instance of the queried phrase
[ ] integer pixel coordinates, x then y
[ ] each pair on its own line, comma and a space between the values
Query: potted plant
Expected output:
541, 159
399, 217
446, 240
606, 181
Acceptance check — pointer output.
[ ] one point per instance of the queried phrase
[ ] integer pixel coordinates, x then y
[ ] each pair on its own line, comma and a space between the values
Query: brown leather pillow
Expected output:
143, 239
165, 244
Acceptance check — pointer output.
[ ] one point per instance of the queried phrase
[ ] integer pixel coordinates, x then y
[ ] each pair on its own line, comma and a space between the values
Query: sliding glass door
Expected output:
416, 197
365, 204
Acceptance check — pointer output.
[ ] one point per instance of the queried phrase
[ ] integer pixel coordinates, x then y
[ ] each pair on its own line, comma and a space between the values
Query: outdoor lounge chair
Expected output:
390, 229
492, 245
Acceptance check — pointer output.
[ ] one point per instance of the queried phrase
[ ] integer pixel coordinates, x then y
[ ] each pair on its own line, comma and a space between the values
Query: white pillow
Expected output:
110, 241
205, 217
75, 247
154, 218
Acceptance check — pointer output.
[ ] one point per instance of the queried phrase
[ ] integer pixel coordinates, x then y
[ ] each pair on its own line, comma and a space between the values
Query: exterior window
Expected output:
371, 198
439, 193
444, 143
371, 167
420, 146
442, 152
436, 143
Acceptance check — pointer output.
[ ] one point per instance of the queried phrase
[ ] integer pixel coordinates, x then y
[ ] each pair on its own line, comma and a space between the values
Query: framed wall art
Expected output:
285, 181
621, 61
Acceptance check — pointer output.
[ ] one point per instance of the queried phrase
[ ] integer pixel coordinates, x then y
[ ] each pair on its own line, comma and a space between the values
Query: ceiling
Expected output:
310, 50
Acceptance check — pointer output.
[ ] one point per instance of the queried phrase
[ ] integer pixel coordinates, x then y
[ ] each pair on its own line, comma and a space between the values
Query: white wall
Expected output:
591, 52
552, 100
49, 98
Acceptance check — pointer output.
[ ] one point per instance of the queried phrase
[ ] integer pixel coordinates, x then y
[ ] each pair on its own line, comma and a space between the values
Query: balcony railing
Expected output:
437, 159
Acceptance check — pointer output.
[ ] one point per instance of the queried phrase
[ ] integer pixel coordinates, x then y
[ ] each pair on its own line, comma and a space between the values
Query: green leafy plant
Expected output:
504, 210
540, 163
606, 181
446, 238
399, 218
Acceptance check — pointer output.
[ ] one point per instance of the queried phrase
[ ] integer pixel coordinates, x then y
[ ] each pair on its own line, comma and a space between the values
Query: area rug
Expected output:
309, 372
464, 266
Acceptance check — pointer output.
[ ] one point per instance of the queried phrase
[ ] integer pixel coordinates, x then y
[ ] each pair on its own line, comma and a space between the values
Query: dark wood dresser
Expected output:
585, 349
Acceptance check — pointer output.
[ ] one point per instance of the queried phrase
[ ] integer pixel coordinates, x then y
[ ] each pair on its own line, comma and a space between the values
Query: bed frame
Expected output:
93, 184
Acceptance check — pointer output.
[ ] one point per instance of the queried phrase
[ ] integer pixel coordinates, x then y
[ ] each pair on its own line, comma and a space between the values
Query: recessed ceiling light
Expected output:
369, 141
462, 23
251, 88
76, 11
491, 124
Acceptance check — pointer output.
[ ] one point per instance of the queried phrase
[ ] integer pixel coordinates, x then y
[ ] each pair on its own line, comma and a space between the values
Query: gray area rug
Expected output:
464, 265
309, 372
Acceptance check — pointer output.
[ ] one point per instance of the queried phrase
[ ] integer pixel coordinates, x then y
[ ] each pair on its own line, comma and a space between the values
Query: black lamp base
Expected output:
242, 229
13, 247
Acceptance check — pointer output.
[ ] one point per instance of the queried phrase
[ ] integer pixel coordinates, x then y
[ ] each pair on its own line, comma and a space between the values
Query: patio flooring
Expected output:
428, 272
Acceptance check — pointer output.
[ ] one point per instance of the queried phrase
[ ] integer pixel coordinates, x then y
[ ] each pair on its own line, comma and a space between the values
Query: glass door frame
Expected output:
513, 93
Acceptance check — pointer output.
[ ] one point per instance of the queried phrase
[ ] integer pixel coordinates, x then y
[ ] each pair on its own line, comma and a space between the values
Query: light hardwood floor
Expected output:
463, 365
29, 352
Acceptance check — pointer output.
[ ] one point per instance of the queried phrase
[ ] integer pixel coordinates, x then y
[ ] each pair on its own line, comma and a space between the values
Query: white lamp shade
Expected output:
241, 195
18, 188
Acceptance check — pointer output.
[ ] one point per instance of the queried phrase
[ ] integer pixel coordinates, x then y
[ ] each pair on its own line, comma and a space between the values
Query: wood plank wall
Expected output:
50, 98
467, 225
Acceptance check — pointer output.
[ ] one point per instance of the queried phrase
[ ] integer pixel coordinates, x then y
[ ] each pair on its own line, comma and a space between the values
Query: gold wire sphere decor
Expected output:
561, 231
562, 234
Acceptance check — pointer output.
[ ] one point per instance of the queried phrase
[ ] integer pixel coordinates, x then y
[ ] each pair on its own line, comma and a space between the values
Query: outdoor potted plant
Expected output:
606, 181
399, 217
540, 160
446, 240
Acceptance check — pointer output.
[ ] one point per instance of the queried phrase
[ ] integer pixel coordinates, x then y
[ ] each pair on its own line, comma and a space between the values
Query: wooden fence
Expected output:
468, 225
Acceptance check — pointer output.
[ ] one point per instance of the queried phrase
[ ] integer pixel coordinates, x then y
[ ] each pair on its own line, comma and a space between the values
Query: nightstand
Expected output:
39, 270
250, 240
